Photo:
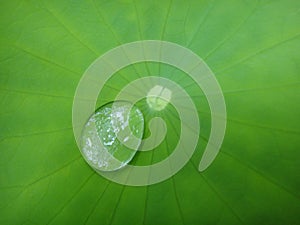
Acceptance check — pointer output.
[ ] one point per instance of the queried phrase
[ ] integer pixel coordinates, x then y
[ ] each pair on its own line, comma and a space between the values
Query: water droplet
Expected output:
158, 97
112, 135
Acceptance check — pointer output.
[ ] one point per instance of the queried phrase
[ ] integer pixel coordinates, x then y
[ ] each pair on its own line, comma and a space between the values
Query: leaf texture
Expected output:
251, 46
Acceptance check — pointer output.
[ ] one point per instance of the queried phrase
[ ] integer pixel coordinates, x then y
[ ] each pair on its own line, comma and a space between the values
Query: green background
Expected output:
253, 47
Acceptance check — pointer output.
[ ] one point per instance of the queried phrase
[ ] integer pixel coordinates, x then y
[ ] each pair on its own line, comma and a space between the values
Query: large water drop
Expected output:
112, 136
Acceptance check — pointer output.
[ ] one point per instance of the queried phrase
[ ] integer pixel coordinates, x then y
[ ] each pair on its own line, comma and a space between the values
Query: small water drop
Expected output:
158, 97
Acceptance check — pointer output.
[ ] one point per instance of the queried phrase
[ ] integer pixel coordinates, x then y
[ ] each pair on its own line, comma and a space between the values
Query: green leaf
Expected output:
253, 47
